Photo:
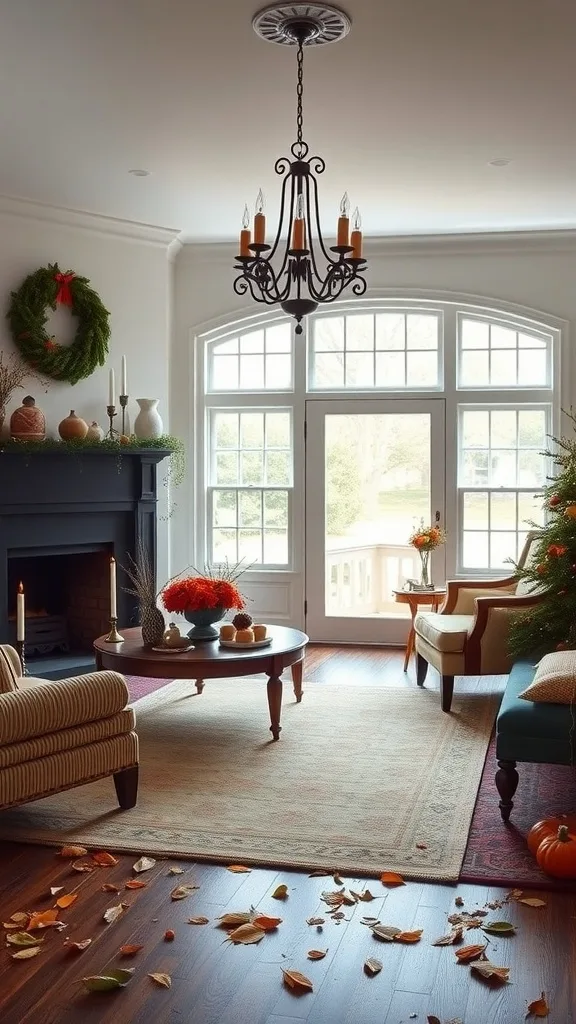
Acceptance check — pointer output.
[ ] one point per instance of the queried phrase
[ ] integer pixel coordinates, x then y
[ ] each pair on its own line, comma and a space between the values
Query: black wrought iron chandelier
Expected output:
298, 271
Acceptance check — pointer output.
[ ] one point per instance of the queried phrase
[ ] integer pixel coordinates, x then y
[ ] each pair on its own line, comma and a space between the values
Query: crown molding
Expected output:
151, 234
474, 243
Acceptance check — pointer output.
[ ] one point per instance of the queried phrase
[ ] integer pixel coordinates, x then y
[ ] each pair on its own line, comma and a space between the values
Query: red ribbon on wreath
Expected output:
64, 295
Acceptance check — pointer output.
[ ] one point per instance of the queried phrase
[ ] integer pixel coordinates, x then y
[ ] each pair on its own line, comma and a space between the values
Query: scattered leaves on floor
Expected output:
110, 887
135, 883
175, 871
246, 934
83, 866
104, 859
73, 852
467, 954
143, 864
129, 950
55, 889
280, 892
386, 932
113, 979
532, 901
336, 878
459, 902
22, 939
372, 966
182, 891
43, 919
198, 920
409, 937
315, 920
503, 928
539, 1007
233, 920
66, 901
370, 921
164, 980
451, 938
19, 917
489, 970
297, 981
113, 913
238, 869
267, 923
362, 897
77, 947
316, 954
26, 954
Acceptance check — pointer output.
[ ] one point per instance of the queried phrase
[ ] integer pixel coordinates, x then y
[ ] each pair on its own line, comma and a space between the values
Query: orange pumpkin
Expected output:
549, 827
556, 855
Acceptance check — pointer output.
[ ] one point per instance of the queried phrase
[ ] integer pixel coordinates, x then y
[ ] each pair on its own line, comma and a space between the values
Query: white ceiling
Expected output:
407, 111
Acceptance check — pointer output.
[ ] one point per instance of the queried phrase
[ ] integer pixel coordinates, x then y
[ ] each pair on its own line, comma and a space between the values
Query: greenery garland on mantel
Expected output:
132, 445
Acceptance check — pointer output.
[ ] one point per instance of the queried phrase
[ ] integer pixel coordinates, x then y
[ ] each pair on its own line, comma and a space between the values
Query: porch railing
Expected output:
360, 580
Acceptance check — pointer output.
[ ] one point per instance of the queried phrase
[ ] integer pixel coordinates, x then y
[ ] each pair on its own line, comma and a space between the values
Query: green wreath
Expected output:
49, 287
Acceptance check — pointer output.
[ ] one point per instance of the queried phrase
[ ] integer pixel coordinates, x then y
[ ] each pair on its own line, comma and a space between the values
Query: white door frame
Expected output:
369, 629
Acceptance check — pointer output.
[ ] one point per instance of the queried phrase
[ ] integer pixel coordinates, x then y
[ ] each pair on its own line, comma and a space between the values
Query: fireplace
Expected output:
61, 518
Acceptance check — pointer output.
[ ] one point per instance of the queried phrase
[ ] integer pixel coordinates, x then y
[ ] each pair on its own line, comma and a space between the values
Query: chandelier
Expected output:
297, 270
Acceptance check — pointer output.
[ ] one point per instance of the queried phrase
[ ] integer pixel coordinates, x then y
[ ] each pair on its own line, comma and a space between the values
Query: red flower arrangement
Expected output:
196, 593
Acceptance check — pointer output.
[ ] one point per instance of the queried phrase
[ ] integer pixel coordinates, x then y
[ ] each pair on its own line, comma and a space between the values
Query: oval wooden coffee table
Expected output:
210, 661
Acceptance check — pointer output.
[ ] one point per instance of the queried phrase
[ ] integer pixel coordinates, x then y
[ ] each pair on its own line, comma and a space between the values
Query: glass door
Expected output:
374, 469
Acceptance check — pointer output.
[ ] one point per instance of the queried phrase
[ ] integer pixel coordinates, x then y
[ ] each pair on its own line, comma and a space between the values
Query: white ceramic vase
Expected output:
148, 422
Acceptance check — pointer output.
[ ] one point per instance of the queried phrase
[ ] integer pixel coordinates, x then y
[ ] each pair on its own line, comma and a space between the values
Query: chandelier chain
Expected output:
299, 94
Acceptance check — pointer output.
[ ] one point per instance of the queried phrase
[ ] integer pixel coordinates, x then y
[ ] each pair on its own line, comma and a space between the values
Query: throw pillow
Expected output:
554, 680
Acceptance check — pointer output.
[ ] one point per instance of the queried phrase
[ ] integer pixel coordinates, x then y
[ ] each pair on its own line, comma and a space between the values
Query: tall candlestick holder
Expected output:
112, 432
21, 649
123, 404
114, 636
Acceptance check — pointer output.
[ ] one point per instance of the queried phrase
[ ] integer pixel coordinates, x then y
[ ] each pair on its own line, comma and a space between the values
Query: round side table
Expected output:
414, 598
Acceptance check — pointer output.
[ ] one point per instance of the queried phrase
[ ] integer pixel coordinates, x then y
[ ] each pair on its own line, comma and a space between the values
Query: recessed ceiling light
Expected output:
139, 172
500, 161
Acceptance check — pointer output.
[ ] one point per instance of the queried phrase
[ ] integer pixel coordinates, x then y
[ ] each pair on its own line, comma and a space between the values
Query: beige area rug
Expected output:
359, 778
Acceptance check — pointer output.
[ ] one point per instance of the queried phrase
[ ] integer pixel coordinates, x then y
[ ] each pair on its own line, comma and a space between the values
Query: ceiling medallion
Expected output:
297, 271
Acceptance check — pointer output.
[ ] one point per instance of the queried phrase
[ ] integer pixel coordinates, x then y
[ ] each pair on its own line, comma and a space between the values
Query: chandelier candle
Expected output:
245, 238
356, 238
297, 270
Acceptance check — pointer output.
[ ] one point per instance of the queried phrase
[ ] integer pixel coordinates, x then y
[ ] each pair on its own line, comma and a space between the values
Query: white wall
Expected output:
537, 270
128, 265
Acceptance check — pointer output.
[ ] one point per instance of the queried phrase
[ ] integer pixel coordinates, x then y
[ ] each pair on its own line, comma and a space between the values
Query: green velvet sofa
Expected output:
527, 731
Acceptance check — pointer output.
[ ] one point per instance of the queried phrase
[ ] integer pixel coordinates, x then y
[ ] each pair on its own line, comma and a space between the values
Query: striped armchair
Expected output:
57, 735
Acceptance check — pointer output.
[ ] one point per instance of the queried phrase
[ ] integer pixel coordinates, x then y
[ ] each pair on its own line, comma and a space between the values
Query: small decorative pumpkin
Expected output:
556, 855
172, 636
549, 827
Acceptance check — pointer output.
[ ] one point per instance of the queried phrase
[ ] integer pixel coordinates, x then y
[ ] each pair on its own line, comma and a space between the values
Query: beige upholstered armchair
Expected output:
57, 735
469, 634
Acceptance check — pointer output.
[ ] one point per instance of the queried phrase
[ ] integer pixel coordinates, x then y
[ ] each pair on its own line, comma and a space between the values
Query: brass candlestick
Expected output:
20, 647
123, 404
111, 410
114, 636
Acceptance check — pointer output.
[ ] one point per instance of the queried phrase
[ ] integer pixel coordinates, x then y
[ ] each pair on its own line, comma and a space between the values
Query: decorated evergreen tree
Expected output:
551, 624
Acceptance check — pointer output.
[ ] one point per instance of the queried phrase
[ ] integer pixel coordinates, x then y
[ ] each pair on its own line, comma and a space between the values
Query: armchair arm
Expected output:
509, 605
459, 601
51, 706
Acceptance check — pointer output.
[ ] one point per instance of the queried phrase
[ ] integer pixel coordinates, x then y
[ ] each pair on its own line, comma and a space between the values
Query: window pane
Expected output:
279, 338
531, 469
329, 334
532, 429
475, 468
278, 430
390, 331
532, 368
250, 546
530, 510
475, 426
252, 467
422, 369
502, 368
276, 547
226, 430
276, 509
224, 508
503, 428
226, 348
277, 468
502, 337
390, 369
502, 548
250, 508
253, 342
503, 510
225, 373
529, 341
226, 468
360, 333
224, 546
421, 331
474, 334
252, 372
474, 369
359, 369
475, 508
329, 370
252, 430
475, 550
503, 468
278, 371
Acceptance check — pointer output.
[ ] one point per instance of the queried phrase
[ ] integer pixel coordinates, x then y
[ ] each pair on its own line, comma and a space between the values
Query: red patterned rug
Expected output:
497, 853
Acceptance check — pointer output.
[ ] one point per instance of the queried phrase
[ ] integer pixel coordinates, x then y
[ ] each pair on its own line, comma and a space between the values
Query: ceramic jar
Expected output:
94, 432
27, 423
73, 428
148, 422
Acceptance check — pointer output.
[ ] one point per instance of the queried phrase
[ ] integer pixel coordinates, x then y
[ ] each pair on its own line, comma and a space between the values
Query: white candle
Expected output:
124, 388
111, 388
113, 608
20, 614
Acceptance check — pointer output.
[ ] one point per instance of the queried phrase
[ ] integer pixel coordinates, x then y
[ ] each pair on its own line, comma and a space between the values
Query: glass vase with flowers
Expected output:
204, 598
426, 539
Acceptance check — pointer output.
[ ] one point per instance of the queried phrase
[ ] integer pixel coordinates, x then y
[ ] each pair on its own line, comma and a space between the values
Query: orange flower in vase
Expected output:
425, 539
204, 599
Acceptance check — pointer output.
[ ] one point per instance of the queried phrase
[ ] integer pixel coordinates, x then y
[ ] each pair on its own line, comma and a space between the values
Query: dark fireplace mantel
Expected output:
61, 503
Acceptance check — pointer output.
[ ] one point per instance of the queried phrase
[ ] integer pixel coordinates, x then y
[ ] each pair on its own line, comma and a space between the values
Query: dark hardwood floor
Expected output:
215, 982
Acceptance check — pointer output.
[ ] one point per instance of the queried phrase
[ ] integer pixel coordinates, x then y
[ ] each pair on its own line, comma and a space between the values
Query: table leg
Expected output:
411, 636
274, 689
199, 683
297, 679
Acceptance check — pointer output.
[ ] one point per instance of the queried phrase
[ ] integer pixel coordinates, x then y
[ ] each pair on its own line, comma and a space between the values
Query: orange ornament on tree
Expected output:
570, 511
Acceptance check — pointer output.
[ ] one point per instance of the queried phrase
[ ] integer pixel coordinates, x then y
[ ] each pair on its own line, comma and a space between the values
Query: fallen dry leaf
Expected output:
42, 919
459, 901
386, 932
391, 879
320, 873
408, 937
109, 887
297, 981
182, 891
539, 1007
246, 934
316, 954
468, 920
55, 889
198, 920
467, 954
499, 928
19, 917
315, 920
369, 920
337, 879
372, 966
115, 978
73, 852
489, 970
335, 899
449, 940
175, 871
113, 913
233, 920
66, 901
135, 883
83, 866
267, 923
280, 892
8, 925
22, 939
77, 947
238, 869
26, 954
532, 901
129, 950
104, 859
143, 864
162, 979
